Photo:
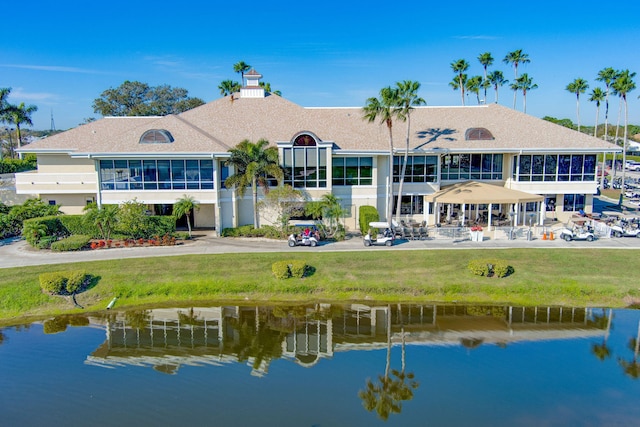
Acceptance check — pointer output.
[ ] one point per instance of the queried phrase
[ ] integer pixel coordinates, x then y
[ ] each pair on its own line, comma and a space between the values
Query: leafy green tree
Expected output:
228, 87
524, 83
496, 78
408, 99
241, 67
387, 109
254, 164
486, 60
516, 57
622, 86
183, 207
140, 99
133, 220
459, 67
577, 87
283, 202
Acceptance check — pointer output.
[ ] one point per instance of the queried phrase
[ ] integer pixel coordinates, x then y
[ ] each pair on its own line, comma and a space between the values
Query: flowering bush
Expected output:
476, 228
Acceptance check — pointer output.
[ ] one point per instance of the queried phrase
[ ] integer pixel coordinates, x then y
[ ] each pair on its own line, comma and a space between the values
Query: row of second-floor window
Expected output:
419, 168
305, 167
156, 174
352, 170
555, 167
471, 166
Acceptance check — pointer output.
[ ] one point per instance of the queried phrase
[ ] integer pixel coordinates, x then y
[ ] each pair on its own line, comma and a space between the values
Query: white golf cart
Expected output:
626, 226
306, 233
381, 235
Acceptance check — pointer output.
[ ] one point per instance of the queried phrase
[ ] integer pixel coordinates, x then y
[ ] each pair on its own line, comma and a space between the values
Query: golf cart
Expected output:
625, 227
382, 234
578, 233
306, 233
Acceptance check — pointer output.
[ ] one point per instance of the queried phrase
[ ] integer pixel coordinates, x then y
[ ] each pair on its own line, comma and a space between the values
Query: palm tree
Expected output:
525, 84
486, 60
267, 88
496, 78
228, 87
386, 108
597, 96
622, 86
21, 115
184, 207
459, 67
408, 99
104, 217
241, 67
254, 164
607, 76
578, 86
473, 85
516, 57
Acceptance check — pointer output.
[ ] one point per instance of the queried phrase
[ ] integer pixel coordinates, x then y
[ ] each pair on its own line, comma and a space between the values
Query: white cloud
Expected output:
20, 95
55, 68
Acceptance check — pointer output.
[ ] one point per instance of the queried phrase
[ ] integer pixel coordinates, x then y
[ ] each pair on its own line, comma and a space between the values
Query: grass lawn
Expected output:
571, 277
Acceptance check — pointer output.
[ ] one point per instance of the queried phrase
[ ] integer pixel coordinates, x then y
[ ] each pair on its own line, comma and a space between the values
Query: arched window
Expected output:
305, 163
156, 136
477, 134
304, 140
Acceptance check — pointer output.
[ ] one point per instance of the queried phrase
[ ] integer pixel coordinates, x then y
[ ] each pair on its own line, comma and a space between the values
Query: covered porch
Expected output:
478, 203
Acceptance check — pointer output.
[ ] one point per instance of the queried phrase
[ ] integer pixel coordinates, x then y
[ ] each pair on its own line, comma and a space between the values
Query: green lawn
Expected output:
575, 277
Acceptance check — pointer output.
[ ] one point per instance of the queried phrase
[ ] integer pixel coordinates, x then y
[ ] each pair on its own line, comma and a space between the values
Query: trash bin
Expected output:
529, 235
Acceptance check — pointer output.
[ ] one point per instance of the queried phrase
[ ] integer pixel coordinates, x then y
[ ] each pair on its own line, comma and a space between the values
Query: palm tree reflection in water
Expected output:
394, 387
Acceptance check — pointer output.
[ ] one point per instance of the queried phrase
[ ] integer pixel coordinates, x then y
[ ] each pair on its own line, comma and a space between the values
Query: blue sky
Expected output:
61, 55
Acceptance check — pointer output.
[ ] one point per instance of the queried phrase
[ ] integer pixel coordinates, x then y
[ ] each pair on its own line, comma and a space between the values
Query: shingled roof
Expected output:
215, 127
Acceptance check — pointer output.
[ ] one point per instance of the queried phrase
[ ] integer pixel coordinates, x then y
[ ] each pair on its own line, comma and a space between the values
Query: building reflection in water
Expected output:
166, 339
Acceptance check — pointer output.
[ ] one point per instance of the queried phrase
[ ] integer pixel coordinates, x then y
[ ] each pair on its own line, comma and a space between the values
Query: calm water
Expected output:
324, 365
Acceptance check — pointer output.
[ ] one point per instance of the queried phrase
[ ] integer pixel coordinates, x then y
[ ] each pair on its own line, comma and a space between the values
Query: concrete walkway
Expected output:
17, 253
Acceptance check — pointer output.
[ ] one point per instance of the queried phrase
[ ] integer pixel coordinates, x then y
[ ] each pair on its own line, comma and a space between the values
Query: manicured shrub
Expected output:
76, 224
290, 268
53, 283
71, 243
367, 214
63, 282
46, 242
490, 267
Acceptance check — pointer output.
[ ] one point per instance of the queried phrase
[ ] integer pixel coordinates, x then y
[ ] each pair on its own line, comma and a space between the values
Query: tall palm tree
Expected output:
228, 87
496, 78
408, 99
486, 60
20, 115
267, 88
473, 85
597, 96
607, 76
183, 207
577, 87
516, 57
386, 108
254, 164
524, 83
459, 67
241, 67
622, 86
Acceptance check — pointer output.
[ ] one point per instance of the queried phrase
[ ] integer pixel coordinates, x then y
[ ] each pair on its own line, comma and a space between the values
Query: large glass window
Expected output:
573, 202
471, 166
419, 168
305, 166
552, 167
352, 170
156, 174
409, 205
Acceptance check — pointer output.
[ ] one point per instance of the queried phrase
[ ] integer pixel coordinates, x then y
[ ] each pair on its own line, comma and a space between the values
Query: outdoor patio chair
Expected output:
409, 233
422, 232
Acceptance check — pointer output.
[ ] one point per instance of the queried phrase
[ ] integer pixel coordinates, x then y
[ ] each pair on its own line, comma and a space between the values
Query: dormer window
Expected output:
156, 136
478, 134
304, 140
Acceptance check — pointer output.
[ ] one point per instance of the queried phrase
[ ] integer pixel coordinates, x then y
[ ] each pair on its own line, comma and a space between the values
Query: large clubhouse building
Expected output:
464, 162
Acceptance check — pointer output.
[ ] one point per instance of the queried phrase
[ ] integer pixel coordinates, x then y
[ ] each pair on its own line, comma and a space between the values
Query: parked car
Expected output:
632, 166
383, 234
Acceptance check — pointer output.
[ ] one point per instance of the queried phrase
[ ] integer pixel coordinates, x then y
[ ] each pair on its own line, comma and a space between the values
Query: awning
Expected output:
473, 192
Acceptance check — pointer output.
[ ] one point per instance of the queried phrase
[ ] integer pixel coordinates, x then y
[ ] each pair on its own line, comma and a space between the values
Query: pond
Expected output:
324, 365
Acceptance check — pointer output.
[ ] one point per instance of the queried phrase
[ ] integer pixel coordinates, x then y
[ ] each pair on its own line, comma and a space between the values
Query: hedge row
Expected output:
18, 165
490, 267
63, 282
75, 242
366, 215
291, 268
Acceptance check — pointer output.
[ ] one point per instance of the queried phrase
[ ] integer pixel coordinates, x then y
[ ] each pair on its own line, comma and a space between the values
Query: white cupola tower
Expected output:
252, 89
